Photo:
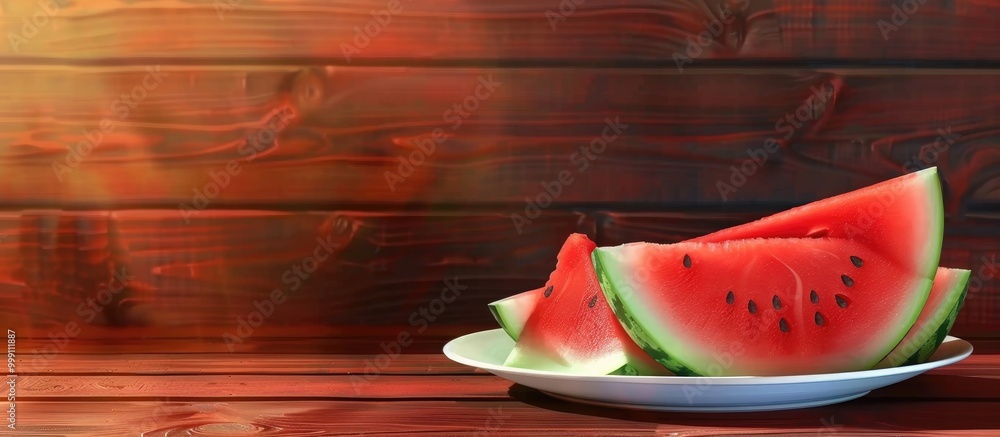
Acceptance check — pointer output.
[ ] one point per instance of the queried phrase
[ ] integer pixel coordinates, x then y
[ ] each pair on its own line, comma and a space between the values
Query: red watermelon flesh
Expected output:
761, 306
572, 329
899, 221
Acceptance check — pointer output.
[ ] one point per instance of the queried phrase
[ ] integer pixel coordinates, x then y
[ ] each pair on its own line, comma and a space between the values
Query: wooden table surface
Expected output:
427, 394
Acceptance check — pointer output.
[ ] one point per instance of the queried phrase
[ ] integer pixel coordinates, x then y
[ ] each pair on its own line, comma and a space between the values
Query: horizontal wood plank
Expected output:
293, 339
71, 274
373, 385
285, 364
403, 377
327, 137
955, 400
379, 386
385, 279
536, 414
984, 362
672, 32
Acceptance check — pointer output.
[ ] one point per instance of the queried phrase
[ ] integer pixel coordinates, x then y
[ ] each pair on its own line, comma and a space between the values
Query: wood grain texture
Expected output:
406, 377
411, 397
970, 243
197, 285
357, 387
274, 137
932, 387
291, 340
336, 272
531, 414
286, 364
454, 30
294, 339
985, 362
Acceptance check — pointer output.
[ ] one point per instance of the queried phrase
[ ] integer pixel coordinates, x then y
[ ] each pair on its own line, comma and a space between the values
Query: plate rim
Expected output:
449, 351
735, 408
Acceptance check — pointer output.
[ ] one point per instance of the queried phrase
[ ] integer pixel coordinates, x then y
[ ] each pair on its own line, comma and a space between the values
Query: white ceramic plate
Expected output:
489, 349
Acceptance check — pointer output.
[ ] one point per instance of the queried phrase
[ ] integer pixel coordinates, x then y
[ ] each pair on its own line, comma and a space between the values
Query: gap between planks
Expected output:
979, 364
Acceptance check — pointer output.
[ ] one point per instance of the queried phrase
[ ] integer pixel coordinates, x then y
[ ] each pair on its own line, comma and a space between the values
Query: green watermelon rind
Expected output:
635, 329
941, 324
511, 313
934, 342
632, 327
936, 241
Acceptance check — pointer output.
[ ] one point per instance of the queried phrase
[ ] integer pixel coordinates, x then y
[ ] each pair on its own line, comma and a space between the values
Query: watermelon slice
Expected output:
888, 234
761, 306
934, 322
513, 312
571, 329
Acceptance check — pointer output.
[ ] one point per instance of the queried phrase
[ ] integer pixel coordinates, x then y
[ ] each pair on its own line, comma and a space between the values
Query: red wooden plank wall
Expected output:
167, 166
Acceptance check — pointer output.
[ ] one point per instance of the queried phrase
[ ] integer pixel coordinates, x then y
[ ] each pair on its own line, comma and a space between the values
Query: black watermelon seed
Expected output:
752, 307
593, 301
687, 262
847, 280
776, 303
783, 325
819, 319
730, 298
548, 291
813, 297
841, 301
858, 262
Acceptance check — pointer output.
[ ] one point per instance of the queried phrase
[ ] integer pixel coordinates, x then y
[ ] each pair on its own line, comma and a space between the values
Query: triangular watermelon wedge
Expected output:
513, 312
899, 222
935, 320
571, 329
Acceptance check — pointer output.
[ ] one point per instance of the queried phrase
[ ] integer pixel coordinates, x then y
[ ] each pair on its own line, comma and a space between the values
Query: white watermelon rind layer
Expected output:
660, 349
611, 364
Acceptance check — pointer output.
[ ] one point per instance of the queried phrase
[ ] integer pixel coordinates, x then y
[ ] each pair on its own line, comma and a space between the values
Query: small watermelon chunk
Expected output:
513, 312
935, 320
572, 329
761, 307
